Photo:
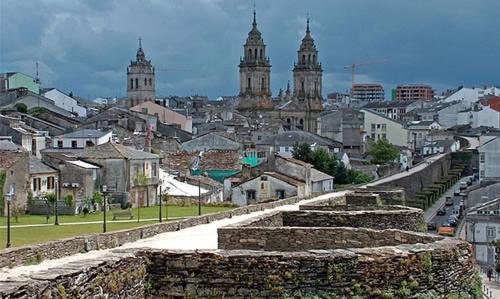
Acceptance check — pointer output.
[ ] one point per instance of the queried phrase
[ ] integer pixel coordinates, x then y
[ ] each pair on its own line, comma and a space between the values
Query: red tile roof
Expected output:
494, 103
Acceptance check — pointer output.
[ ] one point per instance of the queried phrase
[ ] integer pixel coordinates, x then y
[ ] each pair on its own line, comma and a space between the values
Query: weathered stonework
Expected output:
443, 266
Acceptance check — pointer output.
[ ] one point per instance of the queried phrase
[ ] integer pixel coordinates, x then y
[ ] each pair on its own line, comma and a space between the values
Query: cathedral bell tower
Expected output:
255, 72
140, 79
307, 74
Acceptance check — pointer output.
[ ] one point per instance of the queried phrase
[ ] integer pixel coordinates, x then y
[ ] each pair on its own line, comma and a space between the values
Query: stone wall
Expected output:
64, 247
444, 266
314, 238
119, 274
417, 181
411, 220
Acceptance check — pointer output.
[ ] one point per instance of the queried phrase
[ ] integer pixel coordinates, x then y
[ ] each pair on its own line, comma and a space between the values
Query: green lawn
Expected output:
31, 235
143, 213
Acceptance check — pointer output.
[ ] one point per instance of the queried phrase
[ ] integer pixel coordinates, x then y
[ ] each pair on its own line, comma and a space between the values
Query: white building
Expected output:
419, 130
469, 96
379, 126
65, 102
489, 160
82, 138
42, 177
482, 226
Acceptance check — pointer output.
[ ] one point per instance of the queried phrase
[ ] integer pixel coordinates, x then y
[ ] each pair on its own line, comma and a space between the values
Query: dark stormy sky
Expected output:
85, 46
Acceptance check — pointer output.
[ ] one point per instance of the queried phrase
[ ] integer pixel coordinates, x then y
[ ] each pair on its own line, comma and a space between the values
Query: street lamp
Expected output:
161, 198
57, 199
199, 196
104, 192
9, 197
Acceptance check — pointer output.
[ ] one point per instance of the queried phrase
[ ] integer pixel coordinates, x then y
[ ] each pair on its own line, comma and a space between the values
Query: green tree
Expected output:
302, 152
68, 199
21, 107
50, 200
383, 152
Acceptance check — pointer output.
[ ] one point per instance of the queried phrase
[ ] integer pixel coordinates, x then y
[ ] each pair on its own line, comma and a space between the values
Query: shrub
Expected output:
21, 107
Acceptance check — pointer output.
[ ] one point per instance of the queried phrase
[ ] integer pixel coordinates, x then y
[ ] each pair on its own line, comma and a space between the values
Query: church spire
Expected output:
307, 30
140, 42
254, 16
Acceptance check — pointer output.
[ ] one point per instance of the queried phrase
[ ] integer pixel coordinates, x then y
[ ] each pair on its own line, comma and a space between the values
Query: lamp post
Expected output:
9, 197
161, 198
104, 192
56, 222
199, 197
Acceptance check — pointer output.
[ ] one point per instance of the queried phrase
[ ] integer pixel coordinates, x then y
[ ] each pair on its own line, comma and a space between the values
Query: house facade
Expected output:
14, 171
489, 160
166, 115
42, 178
65, 102
482, 226
82, 138
419, 130
379, 126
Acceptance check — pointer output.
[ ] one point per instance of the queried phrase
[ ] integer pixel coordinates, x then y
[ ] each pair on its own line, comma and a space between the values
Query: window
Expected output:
482, 173
280, 194
378, 126
153, 169
263, 84
373, 127
490, 233
150, 82
33, 146
145, 82
37, 184
260, 53
384, 127
309, 58
255, 54
314, 59
251, 194
384, 136
259, 137
131, 83
302, 86
136, 83
74, 144
249, 83
263, 178
303, 59
372, 136
481, 157
50, 183
59, 143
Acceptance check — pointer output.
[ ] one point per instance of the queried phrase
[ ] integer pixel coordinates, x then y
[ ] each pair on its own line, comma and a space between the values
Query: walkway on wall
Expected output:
415, 169
197, 237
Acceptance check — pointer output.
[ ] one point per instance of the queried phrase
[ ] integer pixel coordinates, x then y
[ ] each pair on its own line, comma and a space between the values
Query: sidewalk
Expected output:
491, 289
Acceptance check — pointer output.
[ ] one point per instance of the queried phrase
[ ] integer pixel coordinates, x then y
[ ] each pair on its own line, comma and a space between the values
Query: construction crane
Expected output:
356, 65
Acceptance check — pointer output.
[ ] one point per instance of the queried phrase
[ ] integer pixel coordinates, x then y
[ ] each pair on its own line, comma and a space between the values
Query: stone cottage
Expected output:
133, 173
14, 172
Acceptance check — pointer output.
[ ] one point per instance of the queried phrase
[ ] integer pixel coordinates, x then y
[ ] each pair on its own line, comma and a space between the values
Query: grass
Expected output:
32, 235
145, 213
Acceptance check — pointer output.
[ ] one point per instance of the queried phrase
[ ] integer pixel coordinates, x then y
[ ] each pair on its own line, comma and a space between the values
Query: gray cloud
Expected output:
85, 46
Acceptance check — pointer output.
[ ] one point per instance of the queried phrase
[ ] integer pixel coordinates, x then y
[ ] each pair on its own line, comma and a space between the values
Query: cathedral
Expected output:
140, 79
299, 109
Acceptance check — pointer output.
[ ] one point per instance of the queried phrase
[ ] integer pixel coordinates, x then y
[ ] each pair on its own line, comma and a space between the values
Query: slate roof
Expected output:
111, 150
9, 146
38, 167
318, 176
290, 138
284, 178
85, 133
390, 104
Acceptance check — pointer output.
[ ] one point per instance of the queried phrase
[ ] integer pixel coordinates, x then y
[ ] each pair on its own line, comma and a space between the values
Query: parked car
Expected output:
456, 212
448, 201
431, 226
457, 192
441, 212
463, 186
446, 230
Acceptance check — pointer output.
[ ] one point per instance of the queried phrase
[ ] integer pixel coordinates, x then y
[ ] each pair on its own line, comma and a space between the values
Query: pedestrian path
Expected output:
491, 289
